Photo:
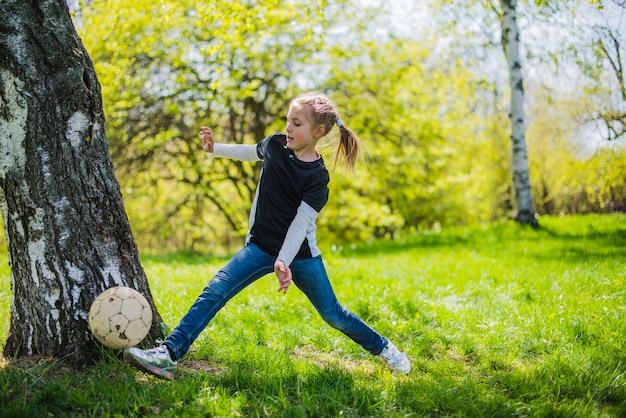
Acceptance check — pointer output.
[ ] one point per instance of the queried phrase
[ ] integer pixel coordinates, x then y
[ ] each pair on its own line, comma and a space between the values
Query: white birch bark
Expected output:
524, 210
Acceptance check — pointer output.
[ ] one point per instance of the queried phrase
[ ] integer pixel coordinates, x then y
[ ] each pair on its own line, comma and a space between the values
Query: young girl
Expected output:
292, 190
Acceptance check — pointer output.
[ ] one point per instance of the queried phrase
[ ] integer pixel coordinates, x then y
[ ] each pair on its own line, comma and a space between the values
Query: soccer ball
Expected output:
120, 317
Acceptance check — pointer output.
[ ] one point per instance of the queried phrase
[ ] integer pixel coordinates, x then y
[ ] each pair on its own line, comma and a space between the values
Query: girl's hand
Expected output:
207, 139
283, 273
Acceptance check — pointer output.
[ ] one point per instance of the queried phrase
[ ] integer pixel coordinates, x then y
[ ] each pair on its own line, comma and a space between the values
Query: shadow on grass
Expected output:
585, 240
249, 388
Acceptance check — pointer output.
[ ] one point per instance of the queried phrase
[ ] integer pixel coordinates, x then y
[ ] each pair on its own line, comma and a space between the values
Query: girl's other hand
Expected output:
207, 139
283, 273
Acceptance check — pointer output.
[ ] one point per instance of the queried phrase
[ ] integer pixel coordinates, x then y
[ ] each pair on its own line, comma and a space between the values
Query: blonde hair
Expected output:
324, 112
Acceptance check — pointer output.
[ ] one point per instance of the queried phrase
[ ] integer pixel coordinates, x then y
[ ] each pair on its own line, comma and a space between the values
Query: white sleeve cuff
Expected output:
242, 152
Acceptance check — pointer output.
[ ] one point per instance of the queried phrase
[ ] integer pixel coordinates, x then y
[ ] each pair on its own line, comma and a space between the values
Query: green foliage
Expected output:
499, 320
581, 176
431, 112
168, 68
421, 122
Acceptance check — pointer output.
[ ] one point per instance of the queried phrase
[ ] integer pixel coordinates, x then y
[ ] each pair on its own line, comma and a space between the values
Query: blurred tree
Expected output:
67, 232
571, 176
524, 208
605, 71
169, 67
419, 118
471, 23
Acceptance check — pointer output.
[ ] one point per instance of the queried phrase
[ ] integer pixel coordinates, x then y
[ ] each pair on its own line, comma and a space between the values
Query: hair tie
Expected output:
339, 122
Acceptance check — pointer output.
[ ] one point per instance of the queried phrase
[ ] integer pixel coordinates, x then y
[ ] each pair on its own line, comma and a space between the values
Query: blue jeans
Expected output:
252, 263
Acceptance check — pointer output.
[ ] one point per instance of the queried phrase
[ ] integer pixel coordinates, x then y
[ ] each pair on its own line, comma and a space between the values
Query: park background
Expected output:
424, 84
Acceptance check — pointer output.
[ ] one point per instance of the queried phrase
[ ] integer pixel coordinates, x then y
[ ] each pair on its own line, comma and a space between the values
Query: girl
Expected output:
292, 190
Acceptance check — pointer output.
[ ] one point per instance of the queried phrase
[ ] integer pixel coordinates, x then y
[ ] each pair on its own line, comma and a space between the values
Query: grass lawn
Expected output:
499, 320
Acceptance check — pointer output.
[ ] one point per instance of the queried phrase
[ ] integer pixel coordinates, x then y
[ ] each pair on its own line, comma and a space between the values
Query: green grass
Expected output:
499, 321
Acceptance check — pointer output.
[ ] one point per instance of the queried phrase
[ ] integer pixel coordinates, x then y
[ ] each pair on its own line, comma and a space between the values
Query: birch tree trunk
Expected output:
524, 210
67, 231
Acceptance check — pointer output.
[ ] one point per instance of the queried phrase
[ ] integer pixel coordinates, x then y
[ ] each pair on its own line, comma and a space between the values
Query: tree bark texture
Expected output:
523, 201
67, 231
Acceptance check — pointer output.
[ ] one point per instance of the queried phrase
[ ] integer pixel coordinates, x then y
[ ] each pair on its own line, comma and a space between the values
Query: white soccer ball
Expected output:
120, 317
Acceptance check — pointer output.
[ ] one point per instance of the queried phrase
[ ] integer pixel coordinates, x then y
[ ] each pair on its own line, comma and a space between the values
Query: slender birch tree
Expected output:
523, 201
67, 231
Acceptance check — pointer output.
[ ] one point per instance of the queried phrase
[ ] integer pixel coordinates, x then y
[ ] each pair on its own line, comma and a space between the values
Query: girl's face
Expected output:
302, 135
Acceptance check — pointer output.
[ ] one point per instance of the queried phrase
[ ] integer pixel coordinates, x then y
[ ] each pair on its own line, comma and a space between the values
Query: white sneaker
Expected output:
396, 359
155, 360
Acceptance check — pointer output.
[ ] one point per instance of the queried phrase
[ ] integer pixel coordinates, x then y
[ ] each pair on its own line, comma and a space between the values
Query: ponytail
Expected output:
349, 147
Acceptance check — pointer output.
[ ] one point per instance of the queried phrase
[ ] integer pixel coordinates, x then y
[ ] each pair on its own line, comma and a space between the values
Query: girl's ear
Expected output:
319, 132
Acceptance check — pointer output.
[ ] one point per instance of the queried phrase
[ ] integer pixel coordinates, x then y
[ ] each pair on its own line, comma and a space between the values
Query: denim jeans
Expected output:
252, 263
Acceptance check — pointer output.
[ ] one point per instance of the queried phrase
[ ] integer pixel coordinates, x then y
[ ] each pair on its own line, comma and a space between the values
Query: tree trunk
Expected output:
524, 211
67, 231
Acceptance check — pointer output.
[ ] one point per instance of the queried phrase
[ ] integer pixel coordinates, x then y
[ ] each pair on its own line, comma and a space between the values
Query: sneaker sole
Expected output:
156, 371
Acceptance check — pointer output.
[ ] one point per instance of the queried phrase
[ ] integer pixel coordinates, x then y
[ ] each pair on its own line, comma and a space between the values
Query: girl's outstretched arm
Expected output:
242, 152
